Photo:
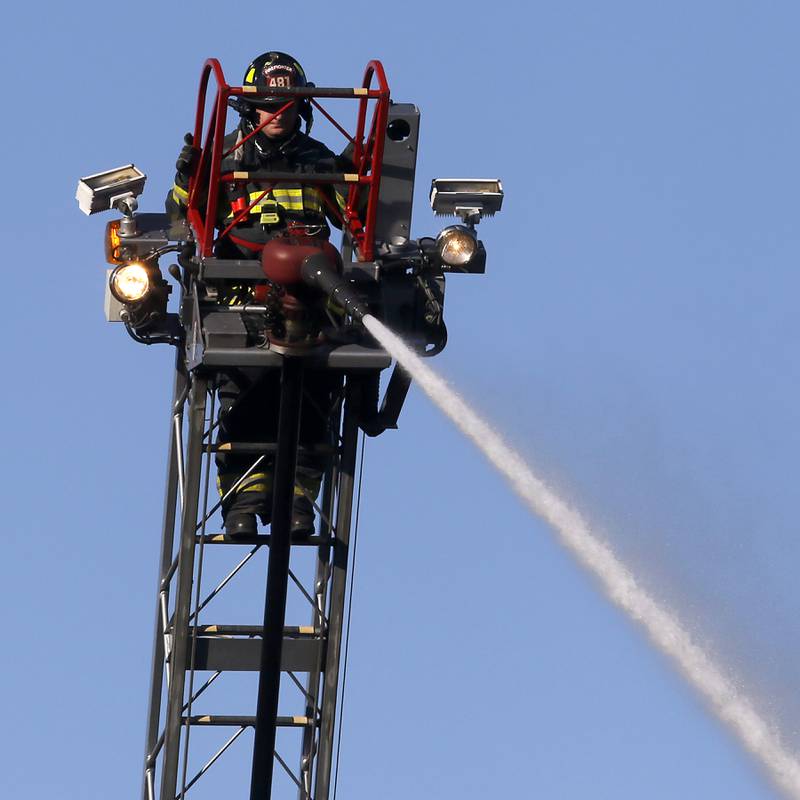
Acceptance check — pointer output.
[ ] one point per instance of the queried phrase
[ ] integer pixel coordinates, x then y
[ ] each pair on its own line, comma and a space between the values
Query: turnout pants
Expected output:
249, 406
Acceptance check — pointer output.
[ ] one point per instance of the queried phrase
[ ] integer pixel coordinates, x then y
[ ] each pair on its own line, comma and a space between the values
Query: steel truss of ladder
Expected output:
193, 651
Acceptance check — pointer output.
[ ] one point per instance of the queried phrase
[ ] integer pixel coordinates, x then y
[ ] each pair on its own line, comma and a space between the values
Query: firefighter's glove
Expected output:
345, 158
187, 160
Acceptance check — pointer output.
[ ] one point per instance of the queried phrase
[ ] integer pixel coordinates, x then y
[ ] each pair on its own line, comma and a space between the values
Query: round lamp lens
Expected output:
130, 283
457, 245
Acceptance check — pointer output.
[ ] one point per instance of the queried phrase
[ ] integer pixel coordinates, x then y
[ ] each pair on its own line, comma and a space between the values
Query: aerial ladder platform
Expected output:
295, 663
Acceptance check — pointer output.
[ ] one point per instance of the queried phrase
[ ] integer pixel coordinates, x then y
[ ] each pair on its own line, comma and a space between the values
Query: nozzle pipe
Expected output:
318, 272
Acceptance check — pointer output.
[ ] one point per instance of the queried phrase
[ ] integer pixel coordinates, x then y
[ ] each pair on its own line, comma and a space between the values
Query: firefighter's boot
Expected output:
302, 518
307, 483
252, 496
240, 525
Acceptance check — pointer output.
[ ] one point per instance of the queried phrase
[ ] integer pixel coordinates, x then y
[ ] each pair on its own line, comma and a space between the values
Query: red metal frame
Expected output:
367, 154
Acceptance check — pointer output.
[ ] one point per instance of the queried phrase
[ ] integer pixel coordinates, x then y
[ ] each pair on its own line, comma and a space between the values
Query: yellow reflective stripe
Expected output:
308, 198
257, 482
287, 193
253, 487
290, 199
256, 195
251, 74
265, 205
257, 476
341, 200
312, 197
259, 207
179, 195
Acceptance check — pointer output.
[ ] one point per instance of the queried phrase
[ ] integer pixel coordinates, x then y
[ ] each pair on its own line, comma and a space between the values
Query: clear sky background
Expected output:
635, 335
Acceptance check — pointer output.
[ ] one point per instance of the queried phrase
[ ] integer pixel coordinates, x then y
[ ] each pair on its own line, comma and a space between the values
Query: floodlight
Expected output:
468, 198
106, 190
129, 283
457, 245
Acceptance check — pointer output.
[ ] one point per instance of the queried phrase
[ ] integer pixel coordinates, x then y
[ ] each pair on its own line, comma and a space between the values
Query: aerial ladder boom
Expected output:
383, 272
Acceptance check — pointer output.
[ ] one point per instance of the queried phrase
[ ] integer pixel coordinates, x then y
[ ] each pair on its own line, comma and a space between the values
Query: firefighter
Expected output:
280, 146
249, 401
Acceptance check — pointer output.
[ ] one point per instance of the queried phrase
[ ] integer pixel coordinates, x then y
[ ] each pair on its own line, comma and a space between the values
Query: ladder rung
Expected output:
268, 447
252, 630
281, 722
263, 539
298, 654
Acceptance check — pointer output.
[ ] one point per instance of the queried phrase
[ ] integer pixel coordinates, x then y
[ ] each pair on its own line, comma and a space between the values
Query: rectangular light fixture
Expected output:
100, 191
457, 196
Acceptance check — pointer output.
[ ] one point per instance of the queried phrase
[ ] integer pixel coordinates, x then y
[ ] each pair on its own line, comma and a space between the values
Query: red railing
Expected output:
367, 156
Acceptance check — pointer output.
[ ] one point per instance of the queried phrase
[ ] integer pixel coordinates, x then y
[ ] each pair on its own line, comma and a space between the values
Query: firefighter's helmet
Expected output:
275, 70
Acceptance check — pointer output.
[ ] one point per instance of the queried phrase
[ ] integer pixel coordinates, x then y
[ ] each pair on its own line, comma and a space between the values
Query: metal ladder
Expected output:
190, 657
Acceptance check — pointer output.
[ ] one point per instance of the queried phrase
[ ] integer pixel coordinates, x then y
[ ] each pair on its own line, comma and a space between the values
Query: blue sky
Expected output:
635, 336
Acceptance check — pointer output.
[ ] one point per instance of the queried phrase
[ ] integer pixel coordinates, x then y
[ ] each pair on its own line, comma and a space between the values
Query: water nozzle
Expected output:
317, 272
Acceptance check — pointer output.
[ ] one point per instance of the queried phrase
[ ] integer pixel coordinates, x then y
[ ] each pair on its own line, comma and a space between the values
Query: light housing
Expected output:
457, 245
130, 283
113, 243
103, 190
468, 198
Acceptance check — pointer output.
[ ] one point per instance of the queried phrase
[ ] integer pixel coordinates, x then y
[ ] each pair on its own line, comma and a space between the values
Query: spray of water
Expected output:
620, 586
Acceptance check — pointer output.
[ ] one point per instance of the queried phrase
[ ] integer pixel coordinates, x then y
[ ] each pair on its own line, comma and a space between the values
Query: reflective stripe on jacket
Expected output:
297, 153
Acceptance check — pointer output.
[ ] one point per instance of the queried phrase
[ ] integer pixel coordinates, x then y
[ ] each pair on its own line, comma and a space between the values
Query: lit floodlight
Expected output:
457, 245
129, 283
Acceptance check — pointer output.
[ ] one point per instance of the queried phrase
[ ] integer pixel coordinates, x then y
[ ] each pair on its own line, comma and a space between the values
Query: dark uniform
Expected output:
249, 400
297, 205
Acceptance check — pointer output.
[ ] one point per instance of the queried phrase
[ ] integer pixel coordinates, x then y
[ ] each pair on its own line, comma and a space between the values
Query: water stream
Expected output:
663, 628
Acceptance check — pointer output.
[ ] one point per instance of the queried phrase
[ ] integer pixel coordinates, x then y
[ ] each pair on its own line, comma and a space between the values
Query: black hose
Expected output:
146, 339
